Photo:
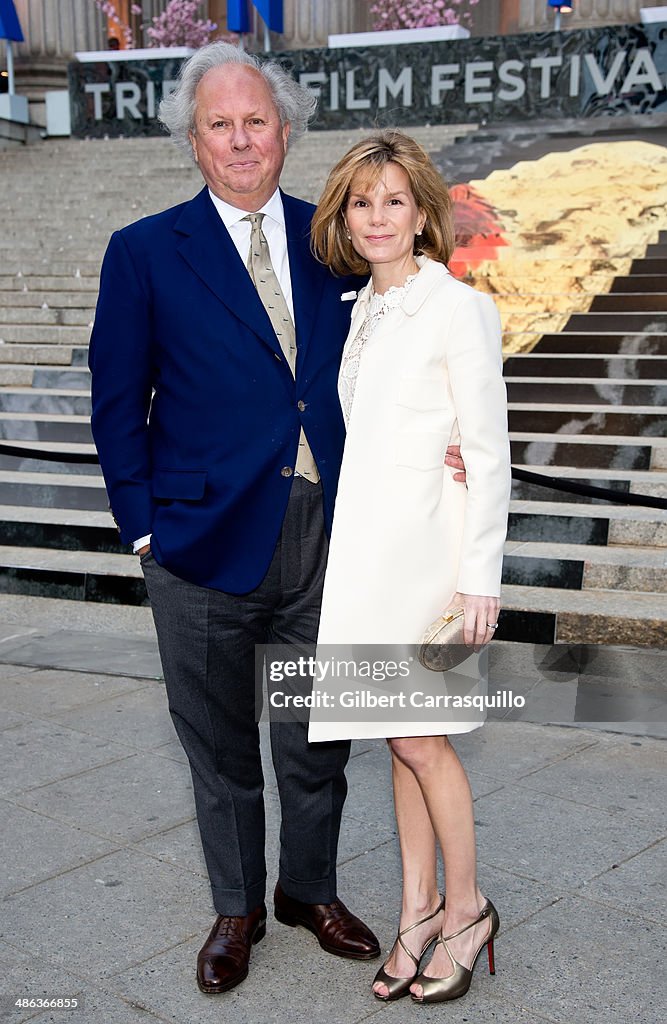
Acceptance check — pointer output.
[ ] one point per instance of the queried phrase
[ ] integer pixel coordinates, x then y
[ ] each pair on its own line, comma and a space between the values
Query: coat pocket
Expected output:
181, 484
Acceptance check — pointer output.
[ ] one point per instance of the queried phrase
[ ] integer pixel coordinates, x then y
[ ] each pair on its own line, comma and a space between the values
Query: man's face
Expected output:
238, 140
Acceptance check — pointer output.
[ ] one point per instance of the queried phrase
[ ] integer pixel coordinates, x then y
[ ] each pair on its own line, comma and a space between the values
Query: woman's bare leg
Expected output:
435, 767
419, 860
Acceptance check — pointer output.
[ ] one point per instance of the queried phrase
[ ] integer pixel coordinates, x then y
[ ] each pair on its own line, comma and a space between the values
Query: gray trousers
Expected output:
207, 644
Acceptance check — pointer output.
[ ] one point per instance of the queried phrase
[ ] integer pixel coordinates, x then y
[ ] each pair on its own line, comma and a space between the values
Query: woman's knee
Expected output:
419, 753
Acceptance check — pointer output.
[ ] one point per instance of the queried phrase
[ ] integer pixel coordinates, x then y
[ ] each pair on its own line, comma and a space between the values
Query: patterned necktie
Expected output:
268, 288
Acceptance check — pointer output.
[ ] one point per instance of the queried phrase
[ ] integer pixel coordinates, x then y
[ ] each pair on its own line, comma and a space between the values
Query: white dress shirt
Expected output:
273, 226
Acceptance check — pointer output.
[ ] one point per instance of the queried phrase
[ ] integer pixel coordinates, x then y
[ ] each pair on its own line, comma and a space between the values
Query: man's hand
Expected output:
143, 551
453, 459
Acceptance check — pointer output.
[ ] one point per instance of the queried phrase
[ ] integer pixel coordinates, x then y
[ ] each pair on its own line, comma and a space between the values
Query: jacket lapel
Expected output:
306, 274
430, 274
210, 253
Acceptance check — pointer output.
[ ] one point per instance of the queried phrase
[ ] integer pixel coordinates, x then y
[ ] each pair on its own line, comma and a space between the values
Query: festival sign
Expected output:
585, 73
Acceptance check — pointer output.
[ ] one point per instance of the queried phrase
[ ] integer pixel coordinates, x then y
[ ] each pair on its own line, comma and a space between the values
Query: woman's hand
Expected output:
480, 617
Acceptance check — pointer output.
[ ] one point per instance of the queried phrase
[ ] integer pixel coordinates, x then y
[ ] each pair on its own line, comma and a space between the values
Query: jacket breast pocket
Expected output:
179, 484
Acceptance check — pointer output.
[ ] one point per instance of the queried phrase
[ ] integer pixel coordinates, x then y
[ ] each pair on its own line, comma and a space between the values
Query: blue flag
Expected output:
238, 18
10, 27
272, 12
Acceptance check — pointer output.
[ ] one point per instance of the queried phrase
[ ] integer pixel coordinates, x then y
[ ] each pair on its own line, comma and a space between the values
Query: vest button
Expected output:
286, 471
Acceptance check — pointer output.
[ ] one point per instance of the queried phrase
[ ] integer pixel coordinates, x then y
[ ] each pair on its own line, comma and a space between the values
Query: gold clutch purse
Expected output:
442, 647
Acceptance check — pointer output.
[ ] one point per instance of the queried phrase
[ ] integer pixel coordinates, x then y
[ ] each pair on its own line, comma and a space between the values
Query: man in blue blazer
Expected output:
200, 426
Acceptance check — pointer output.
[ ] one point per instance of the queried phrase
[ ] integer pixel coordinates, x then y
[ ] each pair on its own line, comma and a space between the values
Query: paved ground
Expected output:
104, 888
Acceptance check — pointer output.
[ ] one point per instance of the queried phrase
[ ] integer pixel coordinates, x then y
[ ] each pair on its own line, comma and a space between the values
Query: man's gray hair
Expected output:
294, 103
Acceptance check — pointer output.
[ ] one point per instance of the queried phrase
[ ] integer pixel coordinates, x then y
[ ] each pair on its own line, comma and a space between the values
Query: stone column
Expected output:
309, 23
53, 32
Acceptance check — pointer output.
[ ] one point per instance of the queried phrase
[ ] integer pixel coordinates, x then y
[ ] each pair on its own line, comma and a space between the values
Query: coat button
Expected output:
286, 471
301, 405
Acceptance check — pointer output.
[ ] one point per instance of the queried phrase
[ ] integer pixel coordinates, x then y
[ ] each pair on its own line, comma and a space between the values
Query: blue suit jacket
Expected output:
199, 465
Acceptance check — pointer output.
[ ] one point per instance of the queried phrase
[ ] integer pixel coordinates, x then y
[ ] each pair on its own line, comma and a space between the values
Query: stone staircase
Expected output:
587, 402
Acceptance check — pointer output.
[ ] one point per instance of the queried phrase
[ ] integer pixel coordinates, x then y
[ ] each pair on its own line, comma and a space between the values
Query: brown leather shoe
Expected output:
223, 959
337, 930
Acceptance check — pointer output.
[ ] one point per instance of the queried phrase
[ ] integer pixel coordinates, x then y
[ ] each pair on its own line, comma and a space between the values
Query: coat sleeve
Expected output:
120, 363
474, 363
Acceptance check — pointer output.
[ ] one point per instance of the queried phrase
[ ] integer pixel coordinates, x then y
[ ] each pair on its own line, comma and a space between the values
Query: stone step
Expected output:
38, 355
45, 316
627, 302
595, 390
80, 355
656, 250
52, 268
534, 614
17, 465
66, 283
567, 522
73, 575
588, 418
649, 265
21, 426
58, 528
16, 374
562, 364
53, 490
76, 378
651, 484
43, 335
586, 567
588, 453
547, 615
30, 300
569, 286
567, 453
643, 283
607, 343
630, 395
76, 574
646, 323
41, 400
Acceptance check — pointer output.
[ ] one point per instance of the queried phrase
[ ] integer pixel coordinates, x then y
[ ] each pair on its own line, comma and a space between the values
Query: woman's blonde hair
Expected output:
365, 162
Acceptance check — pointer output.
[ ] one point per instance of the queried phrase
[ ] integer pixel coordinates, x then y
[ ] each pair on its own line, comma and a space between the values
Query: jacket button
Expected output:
301, 405
286, 471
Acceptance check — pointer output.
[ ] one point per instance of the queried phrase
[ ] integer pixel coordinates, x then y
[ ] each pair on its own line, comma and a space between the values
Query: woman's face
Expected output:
384, 218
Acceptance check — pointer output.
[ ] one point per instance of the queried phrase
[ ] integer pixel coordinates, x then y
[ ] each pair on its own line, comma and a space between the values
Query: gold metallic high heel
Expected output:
437, 990
397, 987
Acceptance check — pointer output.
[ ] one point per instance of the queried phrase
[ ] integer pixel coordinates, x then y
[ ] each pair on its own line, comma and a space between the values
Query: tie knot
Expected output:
255, 219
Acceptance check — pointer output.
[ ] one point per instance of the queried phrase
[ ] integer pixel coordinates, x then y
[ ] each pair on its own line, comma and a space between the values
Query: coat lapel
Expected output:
306, 273
430, 274
210, 253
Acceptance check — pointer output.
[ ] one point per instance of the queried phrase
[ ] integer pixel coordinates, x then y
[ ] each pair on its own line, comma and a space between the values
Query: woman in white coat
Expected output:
421, 369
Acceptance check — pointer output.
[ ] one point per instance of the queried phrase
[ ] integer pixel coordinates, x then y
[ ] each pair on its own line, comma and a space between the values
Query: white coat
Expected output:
405, 535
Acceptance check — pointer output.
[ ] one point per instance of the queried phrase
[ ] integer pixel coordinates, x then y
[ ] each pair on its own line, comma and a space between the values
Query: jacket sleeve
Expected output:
121, 367
474, 362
